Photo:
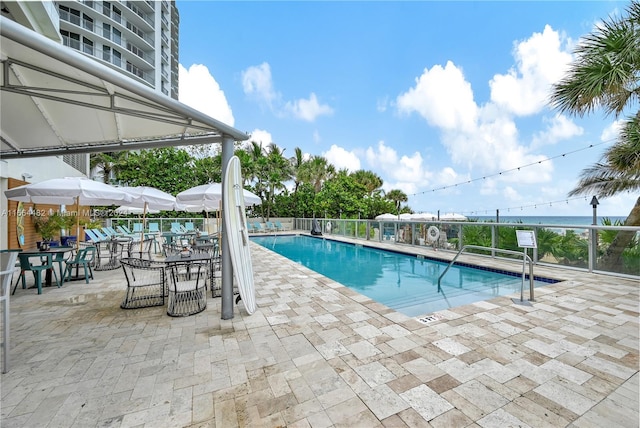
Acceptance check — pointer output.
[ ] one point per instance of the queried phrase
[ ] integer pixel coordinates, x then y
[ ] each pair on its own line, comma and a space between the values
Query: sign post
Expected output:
526, 239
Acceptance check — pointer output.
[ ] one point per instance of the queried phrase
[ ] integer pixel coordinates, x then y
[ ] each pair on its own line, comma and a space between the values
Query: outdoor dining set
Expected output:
176, 267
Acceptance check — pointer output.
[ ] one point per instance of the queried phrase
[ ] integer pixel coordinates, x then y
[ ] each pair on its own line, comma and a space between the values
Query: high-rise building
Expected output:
136, 38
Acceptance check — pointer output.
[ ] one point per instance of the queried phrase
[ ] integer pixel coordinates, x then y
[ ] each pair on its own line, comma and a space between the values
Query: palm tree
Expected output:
606, 74
397, 196
316, 171
296, 164
107, 163
369, 179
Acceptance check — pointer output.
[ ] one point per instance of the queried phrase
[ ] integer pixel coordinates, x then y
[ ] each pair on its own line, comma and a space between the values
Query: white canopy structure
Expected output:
57, 101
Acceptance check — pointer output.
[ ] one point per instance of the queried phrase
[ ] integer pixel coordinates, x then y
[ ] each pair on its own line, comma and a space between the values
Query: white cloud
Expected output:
256, 80
558, 128
408, 169
443, 97
341, 158
307, 109
541, 61
199, 90
511, 194
611, 132
260, 136
316, 136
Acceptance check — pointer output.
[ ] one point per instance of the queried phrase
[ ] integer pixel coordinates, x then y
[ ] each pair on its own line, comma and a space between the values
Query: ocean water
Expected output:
553, 220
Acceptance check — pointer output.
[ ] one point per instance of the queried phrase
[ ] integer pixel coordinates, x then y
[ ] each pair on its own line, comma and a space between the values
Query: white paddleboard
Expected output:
235, 227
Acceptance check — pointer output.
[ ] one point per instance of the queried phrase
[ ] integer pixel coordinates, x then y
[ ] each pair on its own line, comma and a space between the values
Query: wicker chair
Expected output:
145, 283
187, 288
141, 249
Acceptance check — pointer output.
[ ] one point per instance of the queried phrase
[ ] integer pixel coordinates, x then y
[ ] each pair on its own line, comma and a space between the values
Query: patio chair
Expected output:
189, 227
36, 263
84, 257
154, 227
7, 268
269, 226
145, 283
140, 249
279, 226
250, 228
258, 227
187, 293
137, 228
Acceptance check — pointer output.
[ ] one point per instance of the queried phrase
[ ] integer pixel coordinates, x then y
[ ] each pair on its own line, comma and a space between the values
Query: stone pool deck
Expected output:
316, 354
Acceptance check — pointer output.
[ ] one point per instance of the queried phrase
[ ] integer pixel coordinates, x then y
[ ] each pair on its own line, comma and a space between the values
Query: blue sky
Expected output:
444, 100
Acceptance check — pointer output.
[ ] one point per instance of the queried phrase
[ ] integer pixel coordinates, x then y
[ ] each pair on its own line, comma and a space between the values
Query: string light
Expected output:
511, 170
522, 207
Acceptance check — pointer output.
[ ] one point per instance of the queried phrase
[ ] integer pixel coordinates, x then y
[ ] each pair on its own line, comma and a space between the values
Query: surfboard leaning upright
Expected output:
235, 224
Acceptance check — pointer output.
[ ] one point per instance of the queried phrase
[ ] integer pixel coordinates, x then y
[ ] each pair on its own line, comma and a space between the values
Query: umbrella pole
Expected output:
144, 218
77, 222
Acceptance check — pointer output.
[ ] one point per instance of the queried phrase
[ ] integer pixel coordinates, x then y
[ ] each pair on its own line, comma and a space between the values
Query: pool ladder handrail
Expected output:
525, 258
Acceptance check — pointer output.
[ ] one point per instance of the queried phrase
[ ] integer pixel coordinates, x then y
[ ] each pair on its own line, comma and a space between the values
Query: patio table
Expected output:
58, 256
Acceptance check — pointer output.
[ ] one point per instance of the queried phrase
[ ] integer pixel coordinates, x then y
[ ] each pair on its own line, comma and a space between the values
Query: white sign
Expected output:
526, 239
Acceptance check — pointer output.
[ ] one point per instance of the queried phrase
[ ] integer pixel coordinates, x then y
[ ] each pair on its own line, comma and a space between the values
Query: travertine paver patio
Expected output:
317, 354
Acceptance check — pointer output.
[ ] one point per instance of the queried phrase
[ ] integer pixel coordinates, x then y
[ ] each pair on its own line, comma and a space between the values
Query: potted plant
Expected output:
68, 224
47, 228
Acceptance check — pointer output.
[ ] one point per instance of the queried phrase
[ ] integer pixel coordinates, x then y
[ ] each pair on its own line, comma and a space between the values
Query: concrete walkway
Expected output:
316, 354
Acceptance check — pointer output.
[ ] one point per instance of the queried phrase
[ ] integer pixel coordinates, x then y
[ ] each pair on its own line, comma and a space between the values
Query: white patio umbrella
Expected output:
67, 191
424, 216
148, 198
125, 209
387, 216
453, 216
208, 197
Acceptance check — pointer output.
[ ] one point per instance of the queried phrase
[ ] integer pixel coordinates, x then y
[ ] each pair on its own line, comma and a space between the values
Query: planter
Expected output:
64, 240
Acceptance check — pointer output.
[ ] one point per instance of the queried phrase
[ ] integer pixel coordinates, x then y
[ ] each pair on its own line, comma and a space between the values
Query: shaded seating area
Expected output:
145, 283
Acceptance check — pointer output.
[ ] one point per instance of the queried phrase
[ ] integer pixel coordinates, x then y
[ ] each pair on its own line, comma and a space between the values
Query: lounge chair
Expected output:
269, 226
189, 227
258, 227
177, 228
100, 235
124, 229
250, 227
279, 226
154, 228
110, 232
137, 228
93, 236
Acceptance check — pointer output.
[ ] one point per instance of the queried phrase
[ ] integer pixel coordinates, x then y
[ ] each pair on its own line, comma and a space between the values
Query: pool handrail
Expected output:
517, 253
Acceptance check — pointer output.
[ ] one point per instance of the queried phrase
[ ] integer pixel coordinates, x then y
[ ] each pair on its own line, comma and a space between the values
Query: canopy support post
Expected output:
227, 267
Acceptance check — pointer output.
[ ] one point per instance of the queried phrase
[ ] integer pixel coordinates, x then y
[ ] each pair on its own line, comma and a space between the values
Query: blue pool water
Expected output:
402, 282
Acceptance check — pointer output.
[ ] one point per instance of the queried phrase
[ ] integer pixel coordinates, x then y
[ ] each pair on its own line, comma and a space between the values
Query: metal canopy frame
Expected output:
57, 101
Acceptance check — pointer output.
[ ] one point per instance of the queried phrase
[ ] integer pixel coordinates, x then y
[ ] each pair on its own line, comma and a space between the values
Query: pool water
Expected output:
402, 282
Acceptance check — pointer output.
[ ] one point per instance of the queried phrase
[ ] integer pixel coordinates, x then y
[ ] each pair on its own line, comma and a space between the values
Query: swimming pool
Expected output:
402, 282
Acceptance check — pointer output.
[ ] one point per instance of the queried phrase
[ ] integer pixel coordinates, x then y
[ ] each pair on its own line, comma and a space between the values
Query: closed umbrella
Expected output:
67, 191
